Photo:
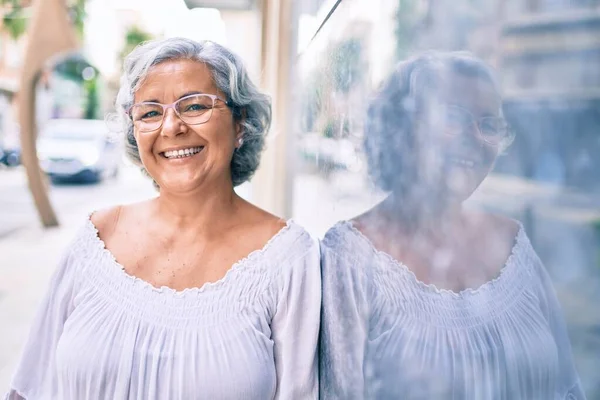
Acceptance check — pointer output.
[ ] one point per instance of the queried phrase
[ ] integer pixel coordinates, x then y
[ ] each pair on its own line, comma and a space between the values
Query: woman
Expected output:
195, 294
424, 298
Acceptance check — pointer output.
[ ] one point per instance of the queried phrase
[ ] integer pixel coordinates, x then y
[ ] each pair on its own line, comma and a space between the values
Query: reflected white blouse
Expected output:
386, 335
103, 334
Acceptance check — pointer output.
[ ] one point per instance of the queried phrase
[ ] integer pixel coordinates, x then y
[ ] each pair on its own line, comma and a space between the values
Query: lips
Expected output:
463, 162
182, 153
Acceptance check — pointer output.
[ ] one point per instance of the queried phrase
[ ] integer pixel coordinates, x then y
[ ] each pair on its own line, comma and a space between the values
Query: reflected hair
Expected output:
391, 145
249, 105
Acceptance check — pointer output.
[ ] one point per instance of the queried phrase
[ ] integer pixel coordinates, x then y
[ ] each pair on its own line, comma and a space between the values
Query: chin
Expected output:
459, 196
182, 180
461, 186
177, 186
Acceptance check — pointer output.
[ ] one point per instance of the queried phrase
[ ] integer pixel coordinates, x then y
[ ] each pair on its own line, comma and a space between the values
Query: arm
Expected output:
295, 328
568, 386
35, 377
344, 328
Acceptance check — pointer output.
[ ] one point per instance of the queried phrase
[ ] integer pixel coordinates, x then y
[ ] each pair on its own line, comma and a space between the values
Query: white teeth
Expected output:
183, 152
463, 162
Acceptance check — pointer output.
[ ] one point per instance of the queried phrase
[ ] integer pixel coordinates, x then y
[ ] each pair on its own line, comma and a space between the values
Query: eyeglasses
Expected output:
194, 109
493, 130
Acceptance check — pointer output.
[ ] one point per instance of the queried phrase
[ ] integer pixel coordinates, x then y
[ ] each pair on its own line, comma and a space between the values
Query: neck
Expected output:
430, 216
205, 208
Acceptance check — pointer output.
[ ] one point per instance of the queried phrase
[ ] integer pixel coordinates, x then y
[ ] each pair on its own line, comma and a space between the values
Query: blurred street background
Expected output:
320, 60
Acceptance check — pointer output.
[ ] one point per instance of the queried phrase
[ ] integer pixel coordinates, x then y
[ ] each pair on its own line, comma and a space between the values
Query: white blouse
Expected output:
103, 334
386, 335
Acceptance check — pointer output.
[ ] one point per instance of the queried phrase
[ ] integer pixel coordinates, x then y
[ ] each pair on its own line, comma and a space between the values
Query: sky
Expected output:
108, 20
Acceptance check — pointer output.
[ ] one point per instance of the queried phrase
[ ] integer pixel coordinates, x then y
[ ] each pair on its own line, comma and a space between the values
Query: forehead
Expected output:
176, 77
474, 93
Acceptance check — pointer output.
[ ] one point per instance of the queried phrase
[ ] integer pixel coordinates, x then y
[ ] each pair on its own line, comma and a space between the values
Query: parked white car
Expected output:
79, 150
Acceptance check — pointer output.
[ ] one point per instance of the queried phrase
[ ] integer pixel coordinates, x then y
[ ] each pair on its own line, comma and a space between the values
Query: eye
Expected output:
456, 120
195, 107
492, 127
150, 114
146, 112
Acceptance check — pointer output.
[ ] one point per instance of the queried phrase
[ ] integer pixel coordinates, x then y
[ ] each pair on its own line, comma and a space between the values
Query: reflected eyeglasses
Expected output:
194, 109
493, 130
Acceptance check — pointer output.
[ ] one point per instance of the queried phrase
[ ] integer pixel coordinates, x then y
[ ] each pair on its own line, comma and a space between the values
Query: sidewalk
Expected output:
29, 255
28, 259
16, 204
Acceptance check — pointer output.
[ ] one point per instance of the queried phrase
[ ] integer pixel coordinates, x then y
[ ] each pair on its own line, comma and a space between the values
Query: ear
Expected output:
239, 129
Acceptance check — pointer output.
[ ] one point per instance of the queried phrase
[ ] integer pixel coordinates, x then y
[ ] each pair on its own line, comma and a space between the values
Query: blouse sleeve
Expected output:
569, 386
295, 327
35, 377
344, 327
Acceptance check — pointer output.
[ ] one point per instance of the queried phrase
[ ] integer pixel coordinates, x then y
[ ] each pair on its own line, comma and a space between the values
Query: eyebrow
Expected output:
190, 93
180, 97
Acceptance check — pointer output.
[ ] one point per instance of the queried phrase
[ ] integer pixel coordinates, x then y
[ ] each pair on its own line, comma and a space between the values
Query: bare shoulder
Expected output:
260, 224
500, 226
106, 220
506, 225
266, 224
368, 220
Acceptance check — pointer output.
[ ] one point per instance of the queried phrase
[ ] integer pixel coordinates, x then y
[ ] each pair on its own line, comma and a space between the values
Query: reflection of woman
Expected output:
422, 298
196, 294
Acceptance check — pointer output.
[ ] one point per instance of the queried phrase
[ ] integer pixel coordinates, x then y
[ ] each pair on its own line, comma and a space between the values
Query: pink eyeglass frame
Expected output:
165, 107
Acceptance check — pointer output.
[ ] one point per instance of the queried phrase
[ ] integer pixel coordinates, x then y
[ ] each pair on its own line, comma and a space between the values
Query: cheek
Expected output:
220, 136
145, 142
433, 152
490, 154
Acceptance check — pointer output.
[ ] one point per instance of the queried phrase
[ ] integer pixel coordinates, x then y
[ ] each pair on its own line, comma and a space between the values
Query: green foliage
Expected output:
596, 225
407, 20
134, 36
311, 100
336, 129
344, 64
78, 14
14, 22
333, 79
72, 68
92, 106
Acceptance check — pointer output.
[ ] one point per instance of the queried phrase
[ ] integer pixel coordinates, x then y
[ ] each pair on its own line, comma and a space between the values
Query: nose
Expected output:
472, 131
172, 125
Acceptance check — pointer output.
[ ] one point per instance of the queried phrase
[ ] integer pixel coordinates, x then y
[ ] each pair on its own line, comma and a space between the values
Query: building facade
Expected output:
550, 56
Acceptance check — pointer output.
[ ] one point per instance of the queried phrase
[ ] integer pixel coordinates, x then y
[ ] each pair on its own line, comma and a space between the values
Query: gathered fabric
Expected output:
104, 334
387, 335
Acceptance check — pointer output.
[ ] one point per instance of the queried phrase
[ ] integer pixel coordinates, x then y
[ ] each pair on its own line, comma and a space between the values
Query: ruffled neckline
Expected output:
247, 262
428, 288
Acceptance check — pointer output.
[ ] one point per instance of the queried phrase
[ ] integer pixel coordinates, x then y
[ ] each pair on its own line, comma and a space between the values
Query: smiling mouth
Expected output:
182, 153
462, 162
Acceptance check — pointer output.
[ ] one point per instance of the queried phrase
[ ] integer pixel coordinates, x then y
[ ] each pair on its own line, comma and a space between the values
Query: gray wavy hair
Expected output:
249, 105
